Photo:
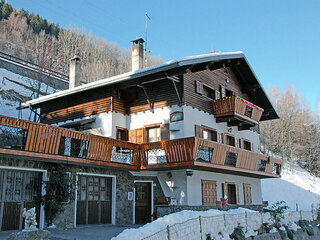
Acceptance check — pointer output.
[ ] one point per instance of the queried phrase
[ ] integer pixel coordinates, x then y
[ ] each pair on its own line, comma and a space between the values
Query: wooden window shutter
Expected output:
132, 135
199, 87
199, 132
223, 91
236, 142
164, 131
140, 135
216, 94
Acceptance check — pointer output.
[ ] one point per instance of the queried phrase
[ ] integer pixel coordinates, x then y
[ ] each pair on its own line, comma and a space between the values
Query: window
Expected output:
176, 116
246, 145
261, 167
231, 159
229, 93
276, 168
154, 134
209, 134
122, 134
248, 111
230, 140
208, 92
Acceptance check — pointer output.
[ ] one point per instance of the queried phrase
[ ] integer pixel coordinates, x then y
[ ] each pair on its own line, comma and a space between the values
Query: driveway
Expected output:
92, 232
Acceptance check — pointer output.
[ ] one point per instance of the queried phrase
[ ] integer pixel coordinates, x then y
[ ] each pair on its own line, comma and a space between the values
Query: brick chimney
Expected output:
74, 74
137, 54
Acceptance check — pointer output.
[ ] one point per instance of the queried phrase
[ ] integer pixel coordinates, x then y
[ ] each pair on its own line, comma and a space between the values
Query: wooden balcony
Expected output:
196, 153
237, 111
37, 141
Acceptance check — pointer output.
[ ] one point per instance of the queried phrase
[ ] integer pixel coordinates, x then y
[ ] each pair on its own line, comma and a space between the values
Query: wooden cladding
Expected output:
84, 110
47, 139
56, 143
231, 106
209, 192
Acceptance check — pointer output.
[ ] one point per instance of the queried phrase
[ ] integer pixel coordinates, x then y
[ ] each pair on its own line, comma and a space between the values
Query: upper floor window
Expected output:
206, 133
153, 134
122, 134
248, 111
176, 116
208, 92
230, 140
247, 145
261, 166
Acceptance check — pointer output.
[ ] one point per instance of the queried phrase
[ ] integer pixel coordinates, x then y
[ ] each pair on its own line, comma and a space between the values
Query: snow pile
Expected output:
297, 187
293, 227
273, 230
250, 233
175, 218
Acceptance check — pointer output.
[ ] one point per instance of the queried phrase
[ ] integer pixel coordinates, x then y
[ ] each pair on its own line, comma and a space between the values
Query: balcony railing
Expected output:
205, 154
235, 106
67, 145
37, 140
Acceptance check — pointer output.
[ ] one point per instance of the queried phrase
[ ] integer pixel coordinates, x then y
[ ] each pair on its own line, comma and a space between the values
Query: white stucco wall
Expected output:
194, 186
187, 189
107, 123
175, 186
193, 116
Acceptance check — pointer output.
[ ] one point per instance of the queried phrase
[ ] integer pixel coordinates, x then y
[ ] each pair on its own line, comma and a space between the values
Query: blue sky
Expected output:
280, 38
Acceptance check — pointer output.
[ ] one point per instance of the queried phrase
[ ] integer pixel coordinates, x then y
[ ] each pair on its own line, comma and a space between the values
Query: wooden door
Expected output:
142, 202
94, 200
209, 192
247, 194
19, 189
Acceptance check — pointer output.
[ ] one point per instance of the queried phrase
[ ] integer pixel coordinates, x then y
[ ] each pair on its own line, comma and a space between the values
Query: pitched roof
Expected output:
183, 63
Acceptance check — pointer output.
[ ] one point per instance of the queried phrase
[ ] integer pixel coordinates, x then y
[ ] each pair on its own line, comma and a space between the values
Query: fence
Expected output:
200, 227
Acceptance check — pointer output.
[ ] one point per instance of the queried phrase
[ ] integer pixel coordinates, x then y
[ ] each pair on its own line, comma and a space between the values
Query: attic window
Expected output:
208, 92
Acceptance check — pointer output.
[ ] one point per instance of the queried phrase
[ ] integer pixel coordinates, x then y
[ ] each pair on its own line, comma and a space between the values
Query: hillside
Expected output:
296, 186
15, 88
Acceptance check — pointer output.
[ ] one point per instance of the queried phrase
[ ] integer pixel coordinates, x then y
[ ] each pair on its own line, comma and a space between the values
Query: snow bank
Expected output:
296, 187
180, 217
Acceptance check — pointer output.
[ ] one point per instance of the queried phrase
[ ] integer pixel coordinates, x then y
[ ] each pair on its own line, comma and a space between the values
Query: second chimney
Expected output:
137, 54
74, 74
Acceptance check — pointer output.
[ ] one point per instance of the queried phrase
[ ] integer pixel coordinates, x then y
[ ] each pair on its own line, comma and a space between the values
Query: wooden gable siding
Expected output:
81, 105
161, 94
213, 79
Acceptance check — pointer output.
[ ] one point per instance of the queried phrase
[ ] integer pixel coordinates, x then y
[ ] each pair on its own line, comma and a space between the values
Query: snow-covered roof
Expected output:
191, 60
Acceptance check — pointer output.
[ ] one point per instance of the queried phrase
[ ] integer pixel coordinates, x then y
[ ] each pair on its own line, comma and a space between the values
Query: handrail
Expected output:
236, 105
41, 138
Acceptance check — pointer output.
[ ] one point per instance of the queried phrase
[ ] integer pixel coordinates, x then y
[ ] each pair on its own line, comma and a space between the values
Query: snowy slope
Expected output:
296, 186
15, 88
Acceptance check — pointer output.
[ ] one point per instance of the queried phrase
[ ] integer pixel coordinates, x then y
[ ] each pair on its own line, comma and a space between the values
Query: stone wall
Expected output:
124, 184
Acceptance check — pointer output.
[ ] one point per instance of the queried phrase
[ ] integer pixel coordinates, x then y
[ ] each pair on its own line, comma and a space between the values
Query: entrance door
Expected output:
19, 189
94, 199
142, 202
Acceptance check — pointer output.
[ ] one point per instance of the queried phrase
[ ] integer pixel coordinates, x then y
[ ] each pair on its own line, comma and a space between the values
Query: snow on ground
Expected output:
296, 186
171, 219
14, 86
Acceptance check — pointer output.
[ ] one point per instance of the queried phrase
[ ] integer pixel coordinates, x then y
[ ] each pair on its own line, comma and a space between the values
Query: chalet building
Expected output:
185, 133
